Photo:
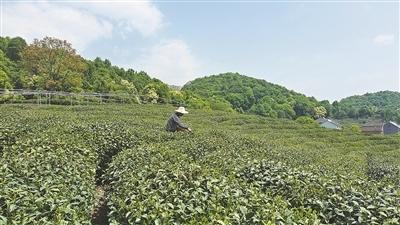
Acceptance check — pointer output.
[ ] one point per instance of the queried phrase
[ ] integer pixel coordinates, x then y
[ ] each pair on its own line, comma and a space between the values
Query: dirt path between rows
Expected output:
100, 213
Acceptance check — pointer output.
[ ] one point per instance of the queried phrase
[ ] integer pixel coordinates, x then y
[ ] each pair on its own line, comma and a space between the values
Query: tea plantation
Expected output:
233, 169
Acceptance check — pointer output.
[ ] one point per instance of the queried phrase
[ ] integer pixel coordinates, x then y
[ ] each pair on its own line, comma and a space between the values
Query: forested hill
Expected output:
257, 96
53, 64
383, 105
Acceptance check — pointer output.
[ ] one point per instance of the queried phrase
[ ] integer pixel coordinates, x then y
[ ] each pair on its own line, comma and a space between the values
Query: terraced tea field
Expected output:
60, 164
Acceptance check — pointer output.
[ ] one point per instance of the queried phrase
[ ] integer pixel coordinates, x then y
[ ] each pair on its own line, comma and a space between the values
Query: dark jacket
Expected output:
174, 123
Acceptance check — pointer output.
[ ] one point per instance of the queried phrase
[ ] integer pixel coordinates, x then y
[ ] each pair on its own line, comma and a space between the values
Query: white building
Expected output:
328, 123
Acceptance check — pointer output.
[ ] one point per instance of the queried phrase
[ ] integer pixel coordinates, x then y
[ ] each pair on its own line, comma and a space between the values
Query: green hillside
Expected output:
60, 164
247, 94
28, 66
383, 105
24, 66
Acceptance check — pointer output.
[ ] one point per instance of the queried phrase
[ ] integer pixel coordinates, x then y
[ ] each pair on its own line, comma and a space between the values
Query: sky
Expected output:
326, 49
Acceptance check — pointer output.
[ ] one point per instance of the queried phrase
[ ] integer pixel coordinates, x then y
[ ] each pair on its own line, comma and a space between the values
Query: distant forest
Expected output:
383, 105
247, 94
53, 64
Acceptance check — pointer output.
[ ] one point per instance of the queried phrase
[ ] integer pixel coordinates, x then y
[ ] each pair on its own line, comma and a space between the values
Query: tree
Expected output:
285, 111
302, 107
218, 103
265, 107
237, 100
128, 87
4, 43
15, 47
306, 120
5, 81
365, 111
162, 90
198, 103
327, 106
56, 61
177, 98
352, 113
320, 112
337, 110
397, 116
368, 105
140, 79
390, 114
150, 95
245, 94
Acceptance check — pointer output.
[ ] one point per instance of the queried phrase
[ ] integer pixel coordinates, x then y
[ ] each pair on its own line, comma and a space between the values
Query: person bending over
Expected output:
174, 123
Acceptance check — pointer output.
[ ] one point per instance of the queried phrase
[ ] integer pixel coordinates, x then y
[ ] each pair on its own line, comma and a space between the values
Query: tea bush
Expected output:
47, 180
233, 169
335, 202
165, 188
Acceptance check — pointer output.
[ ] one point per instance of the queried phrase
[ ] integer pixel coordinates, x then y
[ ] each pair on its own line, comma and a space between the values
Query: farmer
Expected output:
174, 122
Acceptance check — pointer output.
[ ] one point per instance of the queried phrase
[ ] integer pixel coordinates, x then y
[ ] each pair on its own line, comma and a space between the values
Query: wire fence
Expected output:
43, 97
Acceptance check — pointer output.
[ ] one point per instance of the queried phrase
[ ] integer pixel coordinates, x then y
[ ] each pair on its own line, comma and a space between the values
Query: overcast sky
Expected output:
329, 50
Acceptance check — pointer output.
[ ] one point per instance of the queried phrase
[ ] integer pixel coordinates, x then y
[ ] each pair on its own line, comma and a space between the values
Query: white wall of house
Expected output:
329, 125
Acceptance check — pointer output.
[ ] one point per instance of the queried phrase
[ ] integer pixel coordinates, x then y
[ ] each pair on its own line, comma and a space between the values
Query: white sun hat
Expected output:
181, 110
